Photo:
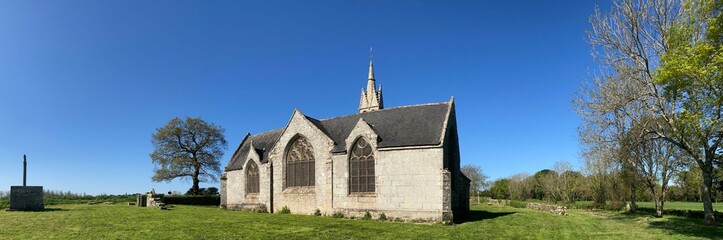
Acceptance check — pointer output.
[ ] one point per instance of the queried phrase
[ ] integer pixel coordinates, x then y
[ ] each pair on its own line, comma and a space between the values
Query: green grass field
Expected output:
682, 205
192, 222
668, 205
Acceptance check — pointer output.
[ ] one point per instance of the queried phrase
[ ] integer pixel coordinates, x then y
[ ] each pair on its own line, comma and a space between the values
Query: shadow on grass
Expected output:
54, 209
478, 215
689, 227
44, 210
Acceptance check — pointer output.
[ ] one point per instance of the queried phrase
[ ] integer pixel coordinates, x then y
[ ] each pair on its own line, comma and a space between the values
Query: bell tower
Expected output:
371, 99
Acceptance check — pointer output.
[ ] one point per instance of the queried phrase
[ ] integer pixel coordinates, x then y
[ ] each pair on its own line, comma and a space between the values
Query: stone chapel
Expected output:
402, 161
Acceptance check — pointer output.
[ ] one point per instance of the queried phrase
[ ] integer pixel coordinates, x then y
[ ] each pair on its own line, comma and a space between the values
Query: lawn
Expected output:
682, 205
191, 222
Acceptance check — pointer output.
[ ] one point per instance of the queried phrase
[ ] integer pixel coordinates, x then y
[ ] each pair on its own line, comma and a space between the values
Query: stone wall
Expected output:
223, 191
559, 210
26, 198
304, 200
409, 185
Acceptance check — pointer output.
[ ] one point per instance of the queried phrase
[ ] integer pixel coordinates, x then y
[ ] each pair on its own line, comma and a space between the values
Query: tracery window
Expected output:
252, 177
361, 167
300, 164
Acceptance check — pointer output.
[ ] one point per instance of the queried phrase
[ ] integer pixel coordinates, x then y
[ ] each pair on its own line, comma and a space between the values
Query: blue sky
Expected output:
84, 84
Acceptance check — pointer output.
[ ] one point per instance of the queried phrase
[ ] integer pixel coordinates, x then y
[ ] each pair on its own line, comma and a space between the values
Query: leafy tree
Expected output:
499, 189
691, 74
660, 59
478, 180
190, 148
542, 185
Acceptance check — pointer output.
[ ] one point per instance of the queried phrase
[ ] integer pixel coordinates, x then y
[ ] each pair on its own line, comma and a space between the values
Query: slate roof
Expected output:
262, 142
417, 125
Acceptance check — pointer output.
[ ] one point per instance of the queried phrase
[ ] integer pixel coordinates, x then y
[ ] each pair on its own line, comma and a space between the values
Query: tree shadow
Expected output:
479, 215
44, 210
689, 227
54, 209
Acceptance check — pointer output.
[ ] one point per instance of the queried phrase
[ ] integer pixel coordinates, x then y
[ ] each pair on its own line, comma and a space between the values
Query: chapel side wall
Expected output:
234, 189
409, 185
303, 200
236, 197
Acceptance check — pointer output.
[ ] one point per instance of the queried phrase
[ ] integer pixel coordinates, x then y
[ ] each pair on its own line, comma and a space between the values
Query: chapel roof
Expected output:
416, 125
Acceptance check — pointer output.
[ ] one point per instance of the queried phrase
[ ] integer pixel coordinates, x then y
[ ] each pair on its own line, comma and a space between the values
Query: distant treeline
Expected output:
52, 197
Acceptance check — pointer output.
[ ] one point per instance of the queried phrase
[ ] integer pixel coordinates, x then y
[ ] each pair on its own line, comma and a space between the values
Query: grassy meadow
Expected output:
83, 221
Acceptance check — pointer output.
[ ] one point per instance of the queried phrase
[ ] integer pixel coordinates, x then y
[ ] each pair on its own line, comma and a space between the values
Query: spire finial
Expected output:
370, 54
371, 66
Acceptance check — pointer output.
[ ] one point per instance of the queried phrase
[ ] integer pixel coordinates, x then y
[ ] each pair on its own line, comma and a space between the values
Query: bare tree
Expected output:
478, 180
520, 186
655, 162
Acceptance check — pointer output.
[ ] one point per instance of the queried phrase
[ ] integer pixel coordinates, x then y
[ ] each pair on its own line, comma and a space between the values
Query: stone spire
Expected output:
371, 99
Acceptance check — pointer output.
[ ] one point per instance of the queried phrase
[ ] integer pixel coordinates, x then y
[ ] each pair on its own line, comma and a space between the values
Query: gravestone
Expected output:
26, 198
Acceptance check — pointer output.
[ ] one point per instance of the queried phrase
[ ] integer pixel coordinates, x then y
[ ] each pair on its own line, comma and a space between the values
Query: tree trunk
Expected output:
196, 172
662, 203
633, 205
706, 193
656, 199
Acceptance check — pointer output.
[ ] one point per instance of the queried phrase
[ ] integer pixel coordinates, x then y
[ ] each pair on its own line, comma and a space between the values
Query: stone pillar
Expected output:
223, 191
446, 196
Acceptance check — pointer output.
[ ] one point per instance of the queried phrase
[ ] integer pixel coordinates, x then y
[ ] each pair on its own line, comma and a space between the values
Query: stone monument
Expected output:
26, 198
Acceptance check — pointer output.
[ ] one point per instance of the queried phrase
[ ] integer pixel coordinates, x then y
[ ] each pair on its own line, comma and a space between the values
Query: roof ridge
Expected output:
385, 109
266, 132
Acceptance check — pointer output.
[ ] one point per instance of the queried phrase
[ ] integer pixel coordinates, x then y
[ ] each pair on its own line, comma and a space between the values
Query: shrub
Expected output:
285, 210
338, 214
317, 212
615, 206
382, 217
518, 204
191, 200
367, 216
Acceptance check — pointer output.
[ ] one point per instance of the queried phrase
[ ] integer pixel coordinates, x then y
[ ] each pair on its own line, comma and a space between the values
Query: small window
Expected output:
361, 167
252, 177
300, 164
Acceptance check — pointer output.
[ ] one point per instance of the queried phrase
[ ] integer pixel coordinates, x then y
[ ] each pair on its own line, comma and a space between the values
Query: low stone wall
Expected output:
254, 207
504, 202
559, 210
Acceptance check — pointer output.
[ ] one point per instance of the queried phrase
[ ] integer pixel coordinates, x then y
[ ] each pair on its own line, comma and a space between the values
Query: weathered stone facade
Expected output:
26, 198
416, 171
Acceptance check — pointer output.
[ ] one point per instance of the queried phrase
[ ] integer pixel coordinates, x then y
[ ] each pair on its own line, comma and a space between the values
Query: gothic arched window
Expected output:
252, 177
361, 167
300, 164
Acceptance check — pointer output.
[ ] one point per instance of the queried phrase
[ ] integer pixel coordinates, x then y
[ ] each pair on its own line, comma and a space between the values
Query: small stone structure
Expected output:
141, 200
150, 199
559, 210
26, 198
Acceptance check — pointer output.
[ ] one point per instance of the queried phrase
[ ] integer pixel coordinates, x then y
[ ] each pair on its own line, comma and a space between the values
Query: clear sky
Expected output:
84, 84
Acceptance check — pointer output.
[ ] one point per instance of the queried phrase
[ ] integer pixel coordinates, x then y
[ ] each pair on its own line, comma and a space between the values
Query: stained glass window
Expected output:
252, 177
361, 167
300, 164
